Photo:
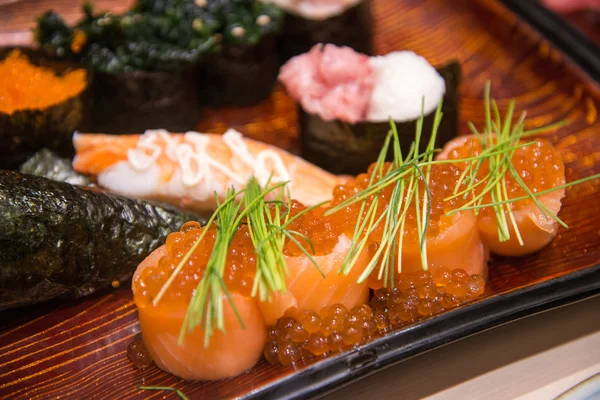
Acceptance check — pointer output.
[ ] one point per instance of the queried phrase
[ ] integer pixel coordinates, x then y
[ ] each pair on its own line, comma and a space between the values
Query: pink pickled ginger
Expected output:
332, 82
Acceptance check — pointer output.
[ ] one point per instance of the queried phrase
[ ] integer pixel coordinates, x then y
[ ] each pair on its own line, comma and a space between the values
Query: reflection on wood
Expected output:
77, 350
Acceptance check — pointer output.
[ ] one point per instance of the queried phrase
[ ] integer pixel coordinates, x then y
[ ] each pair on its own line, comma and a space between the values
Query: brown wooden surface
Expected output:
77, 349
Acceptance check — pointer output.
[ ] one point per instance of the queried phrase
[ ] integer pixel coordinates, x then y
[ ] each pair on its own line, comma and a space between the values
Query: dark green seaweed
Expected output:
345, 148
131, 102
353, 28
24, 132
57, 239
159, 39
49, 165
240, 75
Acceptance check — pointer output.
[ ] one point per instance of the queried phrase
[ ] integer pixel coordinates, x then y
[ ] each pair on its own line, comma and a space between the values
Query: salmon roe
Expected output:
332, 329
539, 165
24, 85
241, 259
441, 186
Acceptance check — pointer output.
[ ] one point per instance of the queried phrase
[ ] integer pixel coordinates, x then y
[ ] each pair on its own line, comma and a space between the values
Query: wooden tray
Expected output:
77, 349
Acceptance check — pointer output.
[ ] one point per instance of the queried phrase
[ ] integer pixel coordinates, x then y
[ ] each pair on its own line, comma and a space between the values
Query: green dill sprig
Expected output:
179, 393
499, 142
404, 176
267, 223
206, 305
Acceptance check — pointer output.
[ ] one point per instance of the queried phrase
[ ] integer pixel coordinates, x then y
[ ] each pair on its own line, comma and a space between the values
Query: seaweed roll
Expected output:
346, 100
144, 64
340, 22
41, 103
59, 239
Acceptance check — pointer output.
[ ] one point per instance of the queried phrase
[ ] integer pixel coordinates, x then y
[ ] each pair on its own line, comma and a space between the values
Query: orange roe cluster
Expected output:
442, 180
240, 265
417, 295
24, 85
320, 229
423, 294
239, 270
539, 165
302, 333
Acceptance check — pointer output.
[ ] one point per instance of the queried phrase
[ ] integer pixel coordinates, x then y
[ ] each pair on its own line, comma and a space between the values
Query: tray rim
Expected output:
496, 310
582, 51
335, 371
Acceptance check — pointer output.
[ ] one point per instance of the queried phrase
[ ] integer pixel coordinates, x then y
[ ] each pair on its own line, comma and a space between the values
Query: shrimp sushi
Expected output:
540, 167
346, 100
187, 169
340, 22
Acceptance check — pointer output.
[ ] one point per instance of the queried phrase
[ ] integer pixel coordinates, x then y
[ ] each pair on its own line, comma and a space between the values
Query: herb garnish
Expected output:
499, 141
166, 388
267, 223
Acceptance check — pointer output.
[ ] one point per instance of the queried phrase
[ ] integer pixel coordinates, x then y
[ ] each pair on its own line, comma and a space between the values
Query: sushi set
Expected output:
248, 199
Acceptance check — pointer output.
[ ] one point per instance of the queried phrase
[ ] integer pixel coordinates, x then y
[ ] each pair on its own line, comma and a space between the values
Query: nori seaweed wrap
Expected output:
239, 75
23, 131
352, 28
347, 99
144, 60
58, 239
345, 148
245, 71
49, 165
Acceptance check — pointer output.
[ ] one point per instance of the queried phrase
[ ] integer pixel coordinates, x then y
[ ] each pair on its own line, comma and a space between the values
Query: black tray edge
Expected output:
569, 40
336, 371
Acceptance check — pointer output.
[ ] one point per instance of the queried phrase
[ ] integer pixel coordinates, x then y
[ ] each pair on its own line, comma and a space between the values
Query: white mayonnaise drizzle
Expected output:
196, 166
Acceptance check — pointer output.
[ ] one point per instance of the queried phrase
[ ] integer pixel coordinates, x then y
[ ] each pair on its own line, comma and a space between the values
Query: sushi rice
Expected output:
316, 10
402, 80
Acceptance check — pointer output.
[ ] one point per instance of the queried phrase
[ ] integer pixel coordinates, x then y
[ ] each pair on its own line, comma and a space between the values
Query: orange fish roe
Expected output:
417, 295
331, 330
321, 230
241, 259
441, 186
539, 165
24, 85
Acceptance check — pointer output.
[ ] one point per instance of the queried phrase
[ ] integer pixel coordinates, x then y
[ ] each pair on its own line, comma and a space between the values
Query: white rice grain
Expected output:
402, 79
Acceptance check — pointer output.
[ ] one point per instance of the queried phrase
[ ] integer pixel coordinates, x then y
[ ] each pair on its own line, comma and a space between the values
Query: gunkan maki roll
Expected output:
245, 69
340, 22
346, 100
145, 62
42, 102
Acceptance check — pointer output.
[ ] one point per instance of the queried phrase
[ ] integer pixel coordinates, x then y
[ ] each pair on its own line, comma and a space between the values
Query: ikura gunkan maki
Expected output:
41, 103
339, 22
346, 100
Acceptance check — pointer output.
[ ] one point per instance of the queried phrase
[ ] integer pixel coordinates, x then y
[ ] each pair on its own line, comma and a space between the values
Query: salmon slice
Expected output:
187, 169
229, 353
540, 166
307, 289
453, 242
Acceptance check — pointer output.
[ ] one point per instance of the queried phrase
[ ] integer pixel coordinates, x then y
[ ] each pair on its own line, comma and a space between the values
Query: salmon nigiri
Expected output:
229, 353
540, 167
187, 169
452, 241
307, 287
